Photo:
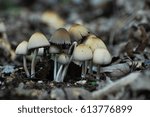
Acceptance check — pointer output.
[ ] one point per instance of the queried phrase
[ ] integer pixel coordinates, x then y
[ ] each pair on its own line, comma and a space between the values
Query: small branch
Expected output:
115, 85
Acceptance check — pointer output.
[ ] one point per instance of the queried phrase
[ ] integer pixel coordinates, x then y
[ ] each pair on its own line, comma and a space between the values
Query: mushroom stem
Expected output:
83, 70
25, 66
98, 72
54, 58
90, 67
33, 63
55, 66
64, 73
85, 67
74, 44
65, 69
57, 79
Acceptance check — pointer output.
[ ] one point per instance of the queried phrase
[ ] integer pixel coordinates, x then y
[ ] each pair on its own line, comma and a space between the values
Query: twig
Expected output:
115, 85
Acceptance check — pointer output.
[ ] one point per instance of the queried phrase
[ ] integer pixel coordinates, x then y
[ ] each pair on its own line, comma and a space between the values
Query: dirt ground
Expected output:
123, 25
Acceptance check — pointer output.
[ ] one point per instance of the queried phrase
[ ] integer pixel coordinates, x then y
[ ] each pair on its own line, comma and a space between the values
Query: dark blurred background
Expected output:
108, 19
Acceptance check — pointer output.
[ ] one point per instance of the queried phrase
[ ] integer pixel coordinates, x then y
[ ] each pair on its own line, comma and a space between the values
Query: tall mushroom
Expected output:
22, 50
54, 50
82, 53
101, 56
62, 39
36, 41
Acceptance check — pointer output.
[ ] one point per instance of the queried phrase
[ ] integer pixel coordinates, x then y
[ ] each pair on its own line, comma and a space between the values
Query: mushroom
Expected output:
54, 50
94, 42
60, 38
101, 56
82, 53
52, 19
63, 59
78, 31
36, 41
22, 50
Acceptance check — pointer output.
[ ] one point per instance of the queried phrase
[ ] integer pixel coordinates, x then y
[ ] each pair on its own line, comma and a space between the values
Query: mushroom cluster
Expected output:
76, 44
36, 41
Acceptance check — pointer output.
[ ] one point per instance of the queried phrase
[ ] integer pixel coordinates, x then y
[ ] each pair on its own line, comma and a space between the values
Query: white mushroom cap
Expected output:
52, 19
54, 49
94, 43
61, 36
77, 31
101, 56
22, 48
82, 53
63, 58
38, 40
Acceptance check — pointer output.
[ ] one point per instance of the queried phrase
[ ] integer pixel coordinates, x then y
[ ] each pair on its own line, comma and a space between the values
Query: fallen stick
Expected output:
115, 85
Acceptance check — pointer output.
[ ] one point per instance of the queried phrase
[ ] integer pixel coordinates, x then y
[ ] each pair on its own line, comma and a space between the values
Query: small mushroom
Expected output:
36, 41
94, 42
78, 31
63, 59
82, 53
101, 56
22, 50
